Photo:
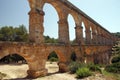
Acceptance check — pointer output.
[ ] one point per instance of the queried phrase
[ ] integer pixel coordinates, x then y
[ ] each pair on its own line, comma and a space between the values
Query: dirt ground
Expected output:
18, 72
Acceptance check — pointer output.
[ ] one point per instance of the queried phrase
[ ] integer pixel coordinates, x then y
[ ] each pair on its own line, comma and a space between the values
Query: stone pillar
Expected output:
94, 41
99, 38
102, 38
79, 34
89, 58
88, 36
36, 74
37, 67
63, 31
63, 67
36, 29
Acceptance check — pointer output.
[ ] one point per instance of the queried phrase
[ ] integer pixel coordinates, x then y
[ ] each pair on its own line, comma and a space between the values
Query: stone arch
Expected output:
76, 16
61, 56
31, 59
63, 61
17, 54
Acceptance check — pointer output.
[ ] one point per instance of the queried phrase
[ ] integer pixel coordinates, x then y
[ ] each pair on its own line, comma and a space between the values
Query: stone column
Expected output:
63, 67
102, 38
99, 38
88, 36
94, 41
36, 29
36, 74
79, 34
63, 31
37, 67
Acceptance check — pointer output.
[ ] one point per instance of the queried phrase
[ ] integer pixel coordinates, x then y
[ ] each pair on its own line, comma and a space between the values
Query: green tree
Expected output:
20, 34
6, 33
50, 40
10, 33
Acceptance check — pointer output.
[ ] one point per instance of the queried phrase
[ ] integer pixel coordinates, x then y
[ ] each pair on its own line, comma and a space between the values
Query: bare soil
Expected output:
19, 72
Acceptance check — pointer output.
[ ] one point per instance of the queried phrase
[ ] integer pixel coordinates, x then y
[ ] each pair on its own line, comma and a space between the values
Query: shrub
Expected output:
94, 67
53, 59
73, 67
52, 54
83, 72
116, 59
114, 68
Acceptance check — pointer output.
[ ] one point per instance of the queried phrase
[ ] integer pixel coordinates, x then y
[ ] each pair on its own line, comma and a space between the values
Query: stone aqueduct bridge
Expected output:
95, 47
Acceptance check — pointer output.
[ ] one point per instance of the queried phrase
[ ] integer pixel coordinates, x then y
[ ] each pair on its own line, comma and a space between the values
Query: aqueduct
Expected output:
95, 47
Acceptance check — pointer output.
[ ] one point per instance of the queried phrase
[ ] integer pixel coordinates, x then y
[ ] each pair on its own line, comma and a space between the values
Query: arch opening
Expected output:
73, 56
84, 31
14, 66
91, 35
50, 26
52, 62
71, 24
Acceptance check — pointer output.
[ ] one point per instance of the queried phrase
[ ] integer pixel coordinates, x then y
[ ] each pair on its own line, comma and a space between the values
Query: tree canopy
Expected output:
19, 34
117, 34
10, 33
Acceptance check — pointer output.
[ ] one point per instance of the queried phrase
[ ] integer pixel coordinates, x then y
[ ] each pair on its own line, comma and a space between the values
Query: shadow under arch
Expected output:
61, 56
73, 56
13, 58
15, 64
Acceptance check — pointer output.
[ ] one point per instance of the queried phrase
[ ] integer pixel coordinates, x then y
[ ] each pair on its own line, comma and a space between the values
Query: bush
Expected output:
94, 67
83, 72
114, 68
73, 67
116, 59
53, 59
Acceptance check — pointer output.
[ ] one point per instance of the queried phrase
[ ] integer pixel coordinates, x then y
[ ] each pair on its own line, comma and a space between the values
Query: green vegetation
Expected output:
83, 72
50, 40
116, 59
113, 76
10, 33
117, 34
53, 57
94, 67
114, 67
73, 67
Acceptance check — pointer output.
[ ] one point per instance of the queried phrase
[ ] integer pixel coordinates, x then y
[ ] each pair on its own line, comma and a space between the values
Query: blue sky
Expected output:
105, 12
